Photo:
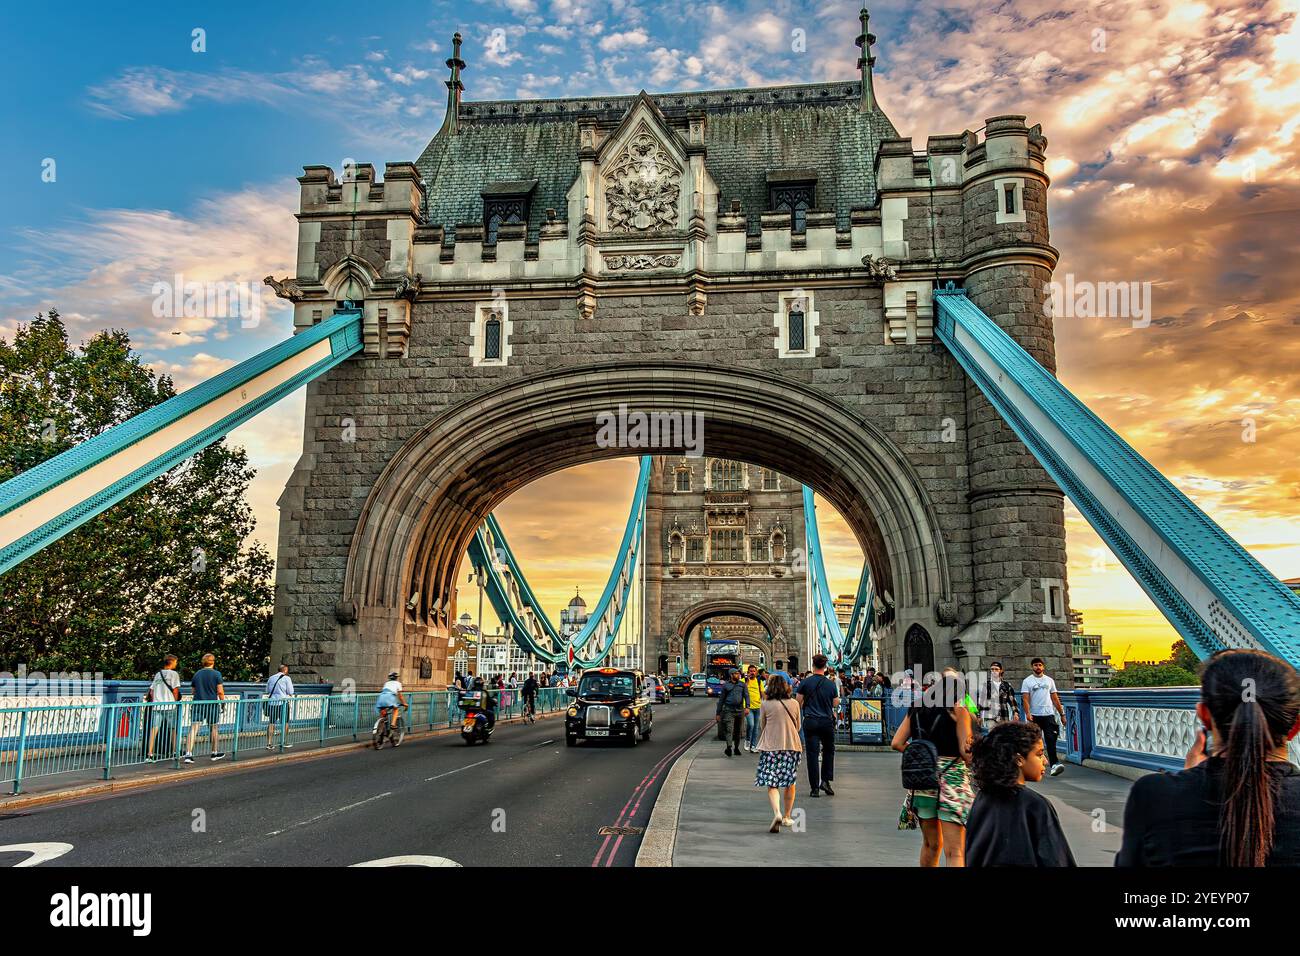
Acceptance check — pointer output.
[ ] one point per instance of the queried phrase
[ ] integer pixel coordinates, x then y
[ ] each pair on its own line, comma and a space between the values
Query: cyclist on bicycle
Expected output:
390, 698
530, 695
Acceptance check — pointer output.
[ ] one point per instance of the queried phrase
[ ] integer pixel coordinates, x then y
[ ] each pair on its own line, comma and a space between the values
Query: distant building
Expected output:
1092, 666
1293, 584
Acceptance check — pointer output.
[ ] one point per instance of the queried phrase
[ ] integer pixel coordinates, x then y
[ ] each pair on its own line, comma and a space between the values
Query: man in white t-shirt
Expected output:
1043, 705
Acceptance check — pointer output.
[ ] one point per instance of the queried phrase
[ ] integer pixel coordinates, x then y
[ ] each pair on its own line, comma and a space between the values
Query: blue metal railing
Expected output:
98, 738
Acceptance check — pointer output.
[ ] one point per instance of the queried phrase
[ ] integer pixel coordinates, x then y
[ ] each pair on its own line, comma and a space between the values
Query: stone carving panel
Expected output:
642, 186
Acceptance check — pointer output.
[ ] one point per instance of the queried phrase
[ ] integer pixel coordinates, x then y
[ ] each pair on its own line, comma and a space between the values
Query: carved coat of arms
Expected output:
642, 187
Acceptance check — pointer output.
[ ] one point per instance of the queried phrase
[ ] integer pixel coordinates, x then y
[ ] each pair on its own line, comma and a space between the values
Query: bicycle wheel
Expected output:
399, 732
380, 731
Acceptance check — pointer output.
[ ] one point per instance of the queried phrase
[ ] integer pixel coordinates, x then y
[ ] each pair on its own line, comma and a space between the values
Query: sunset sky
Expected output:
1173, 146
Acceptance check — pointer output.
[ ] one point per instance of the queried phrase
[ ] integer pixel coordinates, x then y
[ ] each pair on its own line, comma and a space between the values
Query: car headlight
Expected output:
625, 712
573, 712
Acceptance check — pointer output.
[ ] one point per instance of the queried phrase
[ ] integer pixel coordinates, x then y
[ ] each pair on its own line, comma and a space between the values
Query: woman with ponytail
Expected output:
1237, 803
1010, 824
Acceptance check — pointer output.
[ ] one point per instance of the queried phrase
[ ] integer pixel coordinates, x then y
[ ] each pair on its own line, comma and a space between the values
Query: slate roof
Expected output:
749, 133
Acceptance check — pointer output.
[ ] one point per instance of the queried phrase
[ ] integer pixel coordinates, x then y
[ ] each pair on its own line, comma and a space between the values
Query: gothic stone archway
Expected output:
421, 509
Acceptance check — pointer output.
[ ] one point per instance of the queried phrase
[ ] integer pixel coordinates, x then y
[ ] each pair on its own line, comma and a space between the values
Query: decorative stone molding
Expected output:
781, 319
945, 613
408, 287
909, 313
483, 312
642, 186
641, 261
285, 288
880, 268
1015, 189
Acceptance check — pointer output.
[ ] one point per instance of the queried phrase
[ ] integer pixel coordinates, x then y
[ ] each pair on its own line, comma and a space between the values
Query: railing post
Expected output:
239, 725
180, 712
324, 712
111, 729
22, 749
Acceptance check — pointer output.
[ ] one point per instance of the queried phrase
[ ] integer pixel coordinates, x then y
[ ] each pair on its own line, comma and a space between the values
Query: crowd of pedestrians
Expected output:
972, 753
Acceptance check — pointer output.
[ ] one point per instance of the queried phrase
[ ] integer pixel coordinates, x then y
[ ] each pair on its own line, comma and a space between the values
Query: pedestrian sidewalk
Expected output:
711, 814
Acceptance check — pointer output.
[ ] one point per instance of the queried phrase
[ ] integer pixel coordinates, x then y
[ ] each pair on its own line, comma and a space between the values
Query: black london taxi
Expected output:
609, 703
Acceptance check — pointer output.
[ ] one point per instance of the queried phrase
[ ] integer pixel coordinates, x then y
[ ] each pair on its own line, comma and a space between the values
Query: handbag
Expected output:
920, 767
272, 707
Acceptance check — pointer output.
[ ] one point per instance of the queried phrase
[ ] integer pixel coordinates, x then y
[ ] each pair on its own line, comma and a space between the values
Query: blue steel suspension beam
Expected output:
41, 505
1213, 591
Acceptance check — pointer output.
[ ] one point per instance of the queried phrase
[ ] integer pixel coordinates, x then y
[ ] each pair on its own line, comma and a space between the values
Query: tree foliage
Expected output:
1180, 670
169, 569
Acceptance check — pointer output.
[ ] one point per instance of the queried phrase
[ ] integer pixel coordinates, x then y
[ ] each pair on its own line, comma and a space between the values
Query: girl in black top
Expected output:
1237, 803
1011, 825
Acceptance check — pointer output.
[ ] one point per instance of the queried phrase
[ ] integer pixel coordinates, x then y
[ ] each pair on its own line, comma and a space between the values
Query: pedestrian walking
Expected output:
779, 750
940, 724
279, 688
818, 700
205, 707
1237, 800
754, 693
997, 699
1009, 823
164, 690
732, 706
1043, 705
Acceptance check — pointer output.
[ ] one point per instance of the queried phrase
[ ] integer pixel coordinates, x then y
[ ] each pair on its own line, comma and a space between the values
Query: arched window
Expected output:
683, 480
492, 336
797, 326
758, 549
695, 550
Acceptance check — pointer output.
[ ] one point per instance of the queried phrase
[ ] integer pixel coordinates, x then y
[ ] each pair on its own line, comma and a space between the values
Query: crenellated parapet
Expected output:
963, 205
355, 242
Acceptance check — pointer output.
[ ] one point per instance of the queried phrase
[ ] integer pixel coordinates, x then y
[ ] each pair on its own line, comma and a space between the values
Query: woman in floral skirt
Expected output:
779, 749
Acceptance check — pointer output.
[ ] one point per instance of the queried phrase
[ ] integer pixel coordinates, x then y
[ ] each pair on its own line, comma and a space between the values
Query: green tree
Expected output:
168, 569
1153, 675
1183, 656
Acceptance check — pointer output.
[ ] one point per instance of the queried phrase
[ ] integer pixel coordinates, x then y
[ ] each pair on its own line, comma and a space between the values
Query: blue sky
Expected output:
1174, 133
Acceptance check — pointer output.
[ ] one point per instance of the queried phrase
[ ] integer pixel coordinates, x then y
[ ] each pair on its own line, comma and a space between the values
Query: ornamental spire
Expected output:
865, 62
455, 87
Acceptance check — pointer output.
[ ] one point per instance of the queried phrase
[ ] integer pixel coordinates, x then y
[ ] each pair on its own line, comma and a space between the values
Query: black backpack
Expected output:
920, 759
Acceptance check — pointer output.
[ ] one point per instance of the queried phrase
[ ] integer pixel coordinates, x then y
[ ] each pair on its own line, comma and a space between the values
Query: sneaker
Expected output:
746, 746
217, 756
270, 746
787, 822
1058, 769
188, 758
150, 758
728, 753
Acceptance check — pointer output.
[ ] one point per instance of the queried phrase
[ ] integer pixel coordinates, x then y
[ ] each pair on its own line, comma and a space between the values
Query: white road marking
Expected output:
40, 852
413, 860
330, 813
458, 770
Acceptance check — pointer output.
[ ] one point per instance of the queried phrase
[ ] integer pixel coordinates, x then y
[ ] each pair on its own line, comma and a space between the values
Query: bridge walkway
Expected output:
720, 818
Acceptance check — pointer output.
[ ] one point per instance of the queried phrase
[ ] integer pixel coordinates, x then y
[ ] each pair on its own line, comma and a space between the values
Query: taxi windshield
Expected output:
607, 685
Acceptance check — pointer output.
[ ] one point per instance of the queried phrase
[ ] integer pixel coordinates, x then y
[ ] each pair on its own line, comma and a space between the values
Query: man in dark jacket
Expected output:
733, 704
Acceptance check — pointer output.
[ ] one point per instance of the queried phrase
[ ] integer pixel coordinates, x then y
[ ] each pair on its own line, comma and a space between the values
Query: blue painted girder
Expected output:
1213, 591
342, 330
490, 553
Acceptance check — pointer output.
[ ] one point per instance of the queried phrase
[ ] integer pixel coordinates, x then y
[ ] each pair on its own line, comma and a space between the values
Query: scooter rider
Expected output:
489, 703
